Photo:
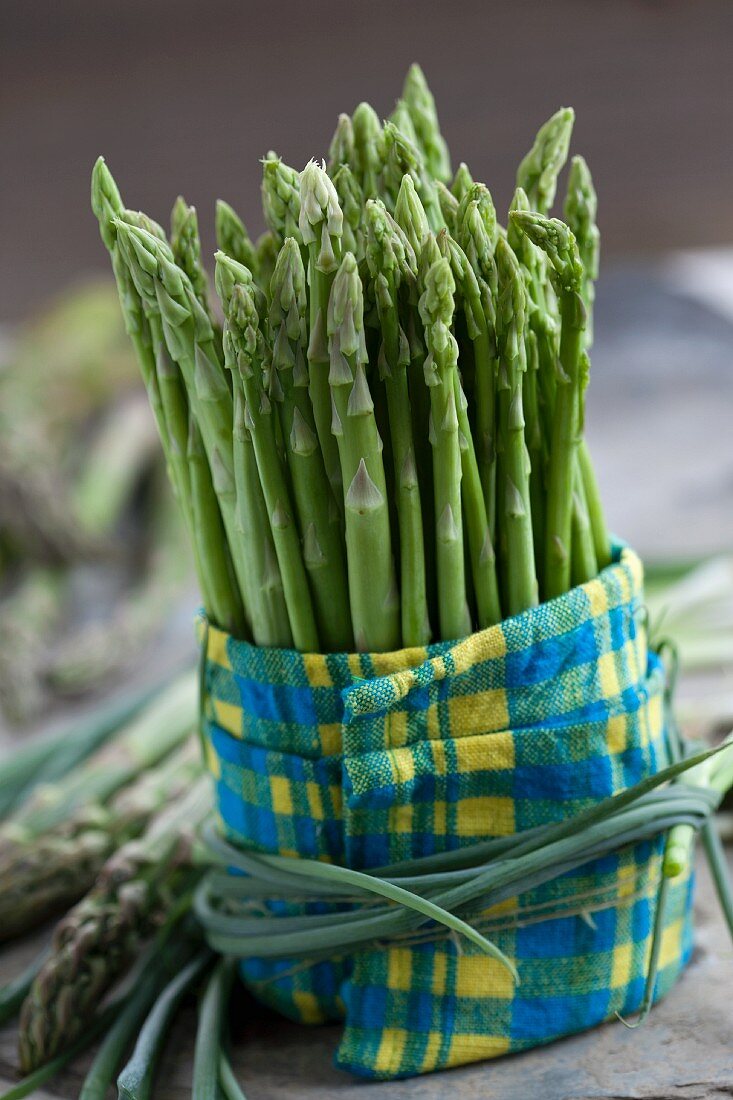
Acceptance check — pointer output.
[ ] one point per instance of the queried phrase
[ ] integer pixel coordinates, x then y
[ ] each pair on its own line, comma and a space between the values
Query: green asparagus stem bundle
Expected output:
385, 442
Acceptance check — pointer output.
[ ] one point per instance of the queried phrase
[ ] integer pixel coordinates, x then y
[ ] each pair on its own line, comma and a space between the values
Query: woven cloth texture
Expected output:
367, 760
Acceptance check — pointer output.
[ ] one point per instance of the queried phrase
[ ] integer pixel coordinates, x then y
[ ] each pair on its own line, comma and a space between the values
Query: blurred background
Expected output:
186, 97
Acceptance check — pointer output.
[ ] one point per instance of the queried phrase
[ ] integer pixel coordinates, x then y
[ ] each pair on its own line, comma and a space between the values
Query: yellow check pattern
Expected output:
372, 759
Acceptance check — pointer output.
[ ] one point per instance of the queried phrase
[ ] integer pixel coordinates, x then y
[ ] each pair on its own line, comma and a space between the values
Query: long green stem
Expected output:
323, 548
372, 586
245, 351
436, 309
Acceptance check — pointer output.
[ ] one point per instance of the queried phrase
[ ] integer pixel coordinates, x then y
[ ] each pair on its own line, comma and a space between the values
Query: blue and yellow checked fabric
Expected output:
367, 760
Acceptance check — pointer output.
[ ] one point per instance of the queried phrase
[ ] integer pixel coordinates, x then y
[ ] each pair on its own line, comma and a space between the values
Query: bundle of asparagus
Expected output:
383, 446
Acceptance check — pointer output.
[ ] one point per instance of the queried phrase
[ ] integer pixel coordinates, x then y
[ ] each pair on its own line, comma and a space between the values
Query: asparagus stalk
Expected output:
45, 872
368, 141
50, 756
280, 198
108, 207
221, 597
97, 939
321, 229
145, 740
419, 101
351, 201
189, 337
246, 351
341, 149
388, 266
232, 236
557, 241
513, 493
372, 586
462, 182
186, 249
323, 549
537, 173
436, 310
481, 549
476, 232
581, 206
272, 623
399, 158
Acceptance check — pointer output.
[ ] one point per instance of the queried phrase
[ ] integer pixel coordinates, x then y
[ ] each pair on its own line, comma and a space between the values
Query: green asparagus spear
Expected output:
462, 181
351, 201
557, 241
341, 149
246, 351
189, 337
539, 170
321, 229
368, 140
580, 213
513, 493
372, 586
480, 544
420, 103
436, 310
232, 236
323, 549
280, 198
388, 266
97, 939
399, 158
186, 248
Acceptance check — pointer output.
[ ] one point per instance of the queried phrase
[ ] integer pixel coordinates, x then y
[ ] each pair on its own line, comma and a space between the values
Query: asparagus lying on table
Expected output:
44, 873
392, 423
135, 891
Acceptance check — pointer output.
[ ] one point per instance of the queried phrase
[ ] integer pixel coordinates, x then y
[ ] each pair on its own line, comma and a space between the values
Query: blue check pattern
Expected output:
366, 760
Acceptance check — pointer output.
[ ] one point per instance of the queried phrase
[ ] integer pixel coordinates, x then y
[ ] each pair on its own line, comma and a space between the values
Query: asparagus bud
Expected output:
232, 236
280, 197
420, 103
581, 206
462, 181
410, 213
351, 201
186, 248
367, 148
400, 158
341, 149
402, 119
539, 170
448, 205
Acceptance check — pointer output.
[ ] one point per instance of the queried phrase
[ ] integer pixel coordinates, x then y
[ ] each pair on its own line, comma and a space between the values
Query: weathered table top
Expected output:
659, 426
